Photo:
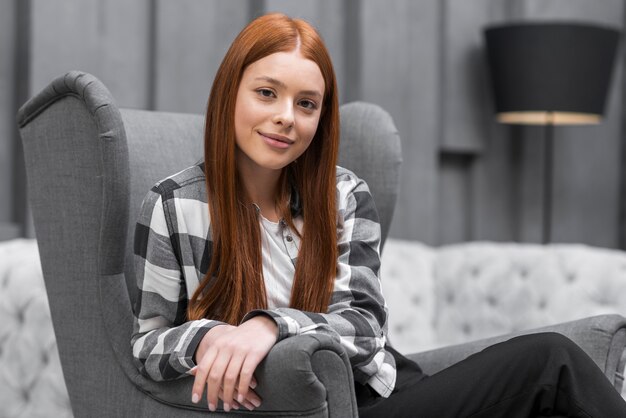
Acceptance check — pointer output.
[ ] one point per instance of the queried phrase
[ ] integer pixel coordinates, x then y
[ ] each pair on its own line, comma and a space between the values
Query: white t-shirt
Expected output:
278, 266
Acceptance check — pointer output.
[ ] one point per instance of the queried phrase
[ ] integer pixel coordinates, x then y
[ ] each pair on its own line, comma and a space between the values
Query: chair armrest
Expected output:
602, 337
306, 375
302, 372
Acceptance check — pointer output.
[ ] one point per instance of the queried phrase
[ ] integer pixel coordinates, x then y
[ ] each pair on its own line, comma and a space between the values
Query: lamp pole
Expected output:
548, 155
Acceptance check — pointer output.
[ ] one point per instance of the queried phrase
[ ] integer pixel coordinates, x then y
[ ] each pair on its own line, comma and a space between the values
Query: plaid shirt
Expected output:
172, 254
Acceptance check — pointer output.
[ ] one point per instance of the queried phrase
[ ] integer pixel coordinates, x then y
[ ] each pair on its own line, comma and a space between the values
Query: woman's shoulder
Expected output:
188, 183
353, 196
348, 181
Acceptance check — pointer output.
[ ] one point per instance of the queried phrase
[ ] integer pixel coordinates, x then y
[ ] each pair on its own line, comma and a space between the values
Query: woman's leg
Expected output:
529, 376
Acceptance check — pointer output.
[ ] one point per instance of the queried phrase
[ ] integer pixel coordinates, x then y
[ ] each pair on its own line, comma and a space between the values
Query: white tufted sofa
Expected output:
31, 380
436, 297
464, 292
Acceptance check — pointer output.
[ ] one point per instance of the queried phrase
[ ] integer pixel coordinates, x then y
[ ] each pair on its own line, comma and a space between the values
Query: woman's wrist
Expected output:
207, 339
267, 322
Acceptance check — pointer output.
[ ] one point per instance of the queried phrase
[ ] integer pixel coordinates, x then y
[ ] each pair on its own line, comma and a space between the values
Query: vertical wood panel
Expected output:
22, 67
468, 127
603, 12
7, 51
63, 38
124, 30
352, 82
466, 110
106, 38
621, 225
455, 193
494, 179
8, 228
587, 174
515, 9
192, 38
400, 72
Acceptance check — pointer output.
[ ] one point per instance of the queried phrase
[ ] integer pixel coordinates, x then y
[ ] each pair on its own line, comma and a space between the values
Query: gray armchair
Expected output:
89, 164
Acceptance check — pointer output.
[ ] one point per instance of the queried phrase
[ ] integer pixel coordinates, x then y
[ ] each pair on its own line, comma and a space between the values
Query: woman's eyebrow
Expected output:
280, 84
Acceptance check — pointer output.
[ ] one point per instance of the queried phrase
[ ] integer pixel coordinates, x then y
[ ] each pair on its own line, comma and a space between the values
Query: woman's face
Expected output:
277, 111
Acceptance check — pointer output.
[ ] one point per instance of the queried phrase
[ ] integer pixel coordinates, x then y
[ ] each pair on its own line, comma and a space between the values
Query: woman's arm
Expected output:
163, 341
167, 346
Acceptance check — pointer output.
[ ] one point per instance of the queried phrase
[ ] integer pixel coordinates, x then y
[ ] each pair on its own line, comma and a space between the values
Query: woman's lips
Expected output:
276, 141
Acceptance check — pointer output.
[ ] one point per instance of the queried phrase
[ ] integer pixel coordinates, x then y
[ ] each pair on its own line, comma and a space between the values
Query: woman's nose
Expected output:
284, 114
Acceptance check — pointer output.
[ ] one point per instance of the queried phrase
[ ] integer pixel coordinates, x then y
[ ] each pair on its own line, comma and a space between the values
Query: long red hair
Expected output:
233, 284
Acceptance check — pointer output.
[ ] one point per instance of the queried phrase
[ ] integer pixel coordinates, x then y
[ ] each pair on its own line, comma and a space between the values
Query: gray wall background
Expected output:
464, 176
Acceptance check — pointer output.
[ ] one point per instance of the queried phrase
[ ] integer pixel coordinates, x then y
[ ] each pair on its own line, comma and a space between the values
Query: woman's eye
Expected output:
308, 104
265, 92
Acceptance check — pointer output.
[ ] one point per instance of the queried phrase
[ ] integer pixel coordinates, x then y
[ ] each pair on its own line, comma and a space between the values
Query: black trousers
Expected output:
538, 375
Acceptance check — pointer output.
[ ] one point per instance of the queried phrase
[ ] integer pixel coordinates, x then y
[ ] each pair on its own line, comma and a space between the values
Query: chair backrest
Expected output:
89, 164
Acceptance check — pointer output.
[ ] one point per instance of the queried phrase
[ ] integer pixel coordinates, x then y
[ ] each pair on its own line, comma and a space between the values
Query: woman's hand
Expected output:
227, 358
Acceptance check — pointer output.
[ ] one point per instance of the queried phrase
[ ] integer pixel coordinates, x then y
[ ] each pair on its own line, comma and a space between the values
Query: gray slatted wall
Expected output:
464, 176
9, 228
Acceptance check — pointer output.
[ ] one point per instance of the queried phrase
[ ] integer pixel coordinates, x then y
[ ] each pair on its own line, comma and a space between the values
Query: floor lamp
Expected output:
550, 73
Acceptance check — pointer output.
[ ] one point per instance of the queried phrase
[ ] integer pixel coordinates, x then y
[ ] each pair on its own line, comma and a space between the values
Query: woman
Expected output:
269, 239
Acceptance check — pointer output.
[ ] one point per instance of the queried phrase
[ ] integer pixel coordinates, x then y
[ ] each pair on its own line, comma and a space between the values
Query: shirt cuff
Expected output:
191, 342
287, 327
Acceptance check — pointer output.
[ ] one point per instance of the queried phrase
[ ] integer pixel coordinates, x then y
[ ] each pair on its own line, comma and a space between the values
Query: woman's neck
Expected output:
262, 188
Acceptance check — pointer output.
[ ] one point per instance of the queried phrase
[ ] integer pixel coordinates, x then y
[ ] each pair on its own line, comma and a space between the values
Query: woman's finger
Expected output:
215, 378
245, 380
201, 373
251, 397
237, 405
230, 378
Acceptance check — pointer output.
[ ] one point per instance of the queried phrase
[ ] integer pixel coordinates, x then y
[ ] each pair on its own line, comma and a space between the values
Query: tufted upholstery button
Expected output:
19, 316
570, 277
416, 299
475, 272
450, 297
523, 273
492, 300
466, 328
604, 297
542, 304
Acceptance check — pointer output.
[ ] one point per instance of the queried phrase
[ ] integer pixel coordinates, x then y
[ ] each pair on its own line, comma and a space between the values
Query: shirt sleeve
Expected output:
357, 314
163, 341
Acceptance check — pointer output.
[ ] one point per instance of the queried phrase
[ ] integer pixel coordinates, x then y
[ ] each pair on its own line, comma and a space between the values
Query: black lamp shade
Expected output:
550, 67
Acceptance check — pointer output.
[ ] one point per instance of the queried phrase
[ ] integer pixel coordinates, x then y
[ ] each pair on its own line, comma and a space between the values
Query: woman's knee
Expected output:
550, 344
549, 339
